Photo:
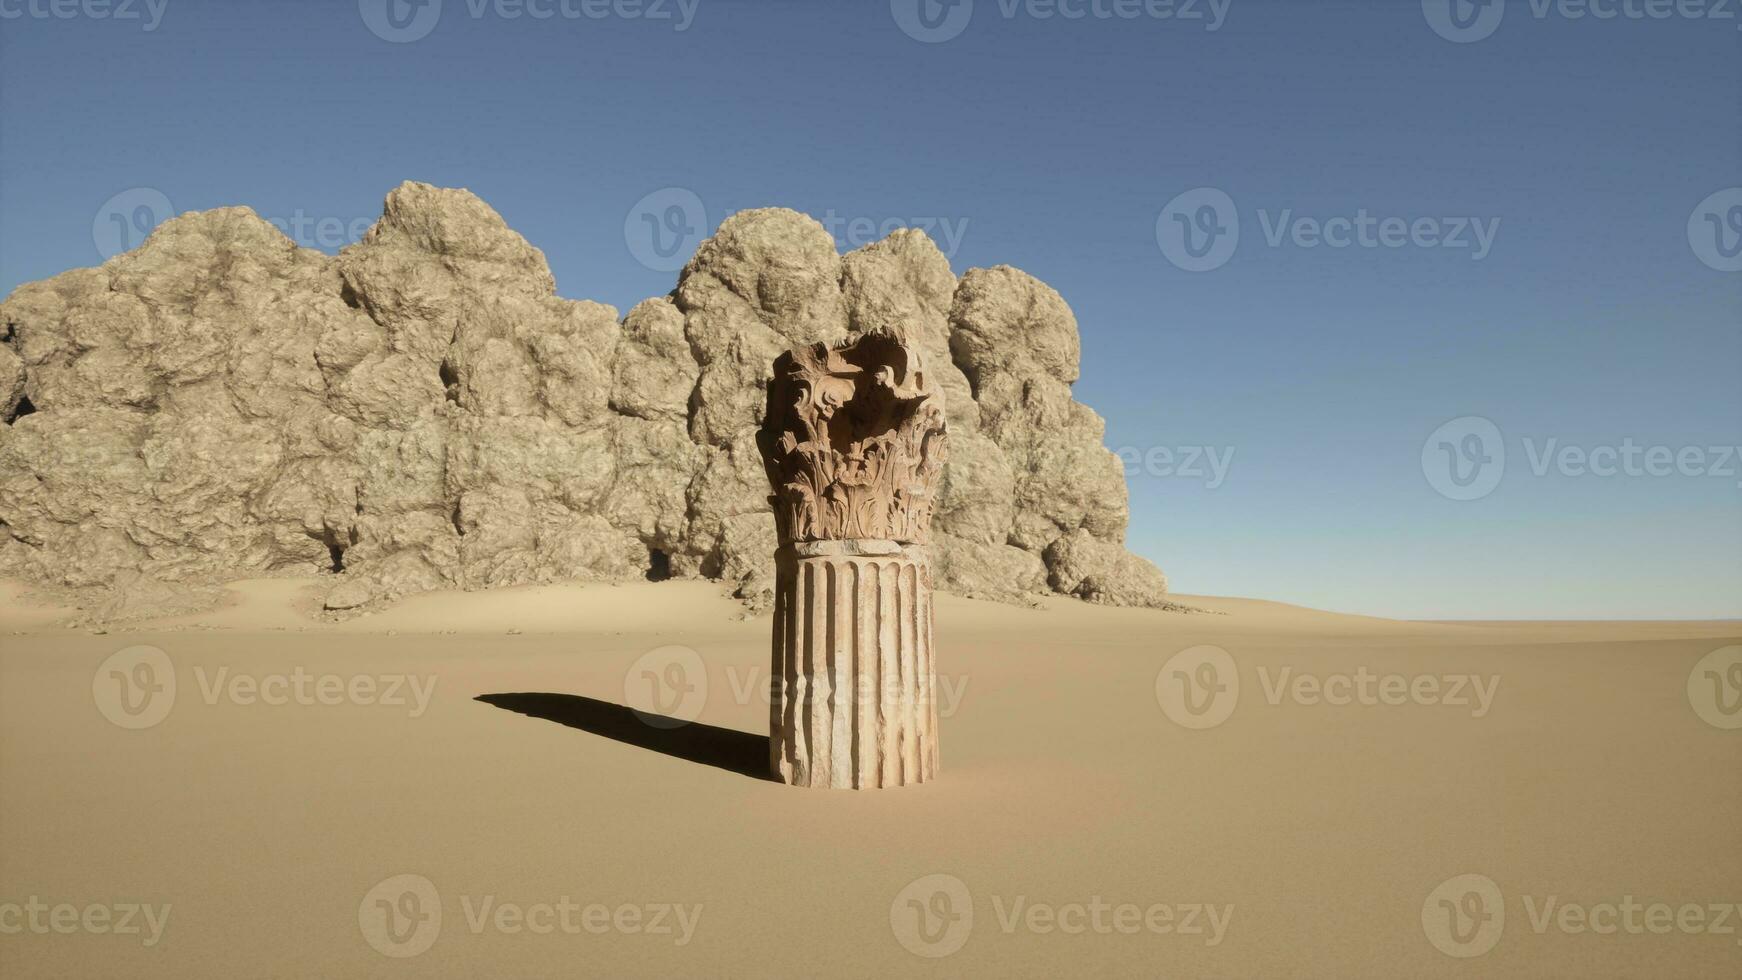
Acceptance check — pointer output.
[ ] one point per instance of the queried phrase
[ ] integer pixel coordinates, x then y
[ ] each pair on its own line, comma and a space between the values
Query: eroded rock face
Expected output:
423, 411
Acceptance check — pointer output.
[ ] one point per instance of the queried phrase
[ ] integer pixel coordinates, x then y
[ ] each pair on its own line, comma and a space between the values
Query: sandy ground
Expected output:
334, 800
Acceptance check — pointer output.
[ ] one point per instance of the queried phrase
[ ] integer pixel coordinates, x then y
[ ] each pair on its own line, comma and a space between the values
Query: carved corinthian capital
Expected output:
853, 442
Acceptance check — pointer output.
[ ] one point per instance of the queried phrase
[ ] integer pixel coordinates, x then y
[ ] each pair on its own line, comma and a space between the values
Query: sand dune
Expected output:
478, 741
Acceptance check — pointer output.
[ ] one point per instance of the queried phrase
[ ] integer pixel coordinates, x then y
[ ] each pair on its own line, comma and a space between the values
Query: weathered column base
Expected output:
854, 692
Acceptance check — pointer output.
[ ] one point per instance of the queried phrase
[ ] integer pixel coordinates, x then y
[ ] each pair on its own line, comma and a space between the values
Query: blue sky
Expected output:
1533, 239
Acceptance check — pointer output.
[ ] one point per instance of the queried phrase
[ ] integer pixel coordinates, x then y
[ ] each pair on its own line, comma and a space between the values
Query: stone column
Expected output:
853, 442
855, 702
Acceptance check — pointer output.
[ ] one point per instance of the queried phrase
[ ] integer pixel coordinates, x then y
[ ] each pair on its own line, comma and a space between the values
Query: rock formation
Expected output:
423, 411
853, 440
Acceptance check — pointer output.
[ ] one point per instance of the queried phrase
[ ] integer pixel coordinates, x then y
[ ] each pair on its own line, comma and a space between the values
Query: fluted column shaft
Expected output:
855, 688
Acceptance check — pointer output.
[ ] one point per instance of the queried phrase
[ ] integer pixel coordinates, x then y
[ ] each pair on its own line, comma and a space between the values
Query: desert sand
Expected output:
1088, 830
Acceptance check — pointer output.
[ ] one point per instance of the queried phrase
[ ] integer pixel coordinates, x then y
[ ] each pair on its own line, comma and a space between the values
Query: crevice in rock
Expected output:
450, 381
454, 519
335, 549
25, 407
695, 409
658, 565
349, 297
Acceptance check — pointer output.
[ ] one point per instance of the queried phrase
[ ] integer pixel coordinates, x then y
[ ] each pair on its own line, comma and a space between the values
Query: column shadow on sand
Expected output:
710, 745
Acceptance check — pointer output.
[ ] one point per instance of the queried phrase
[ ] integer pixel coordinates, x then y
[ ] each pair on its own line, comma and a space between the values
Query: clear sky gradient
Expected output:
1599, 308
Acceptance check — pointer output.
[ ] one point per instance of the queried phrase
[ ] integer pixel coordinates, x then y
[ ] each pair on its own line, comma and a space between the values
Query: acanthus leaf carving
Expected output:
853, 442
